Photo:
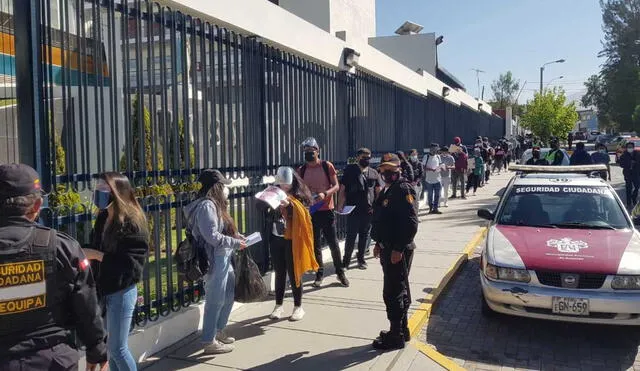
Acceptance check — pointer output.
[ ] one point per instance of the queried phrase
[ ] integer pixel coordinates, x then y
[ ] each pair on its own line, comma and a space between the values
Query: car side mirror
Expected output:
485, 214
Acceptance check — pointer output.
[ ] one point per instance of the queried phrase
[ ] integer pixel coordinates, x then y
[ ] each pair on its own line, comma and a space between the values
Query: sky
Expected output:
507, 35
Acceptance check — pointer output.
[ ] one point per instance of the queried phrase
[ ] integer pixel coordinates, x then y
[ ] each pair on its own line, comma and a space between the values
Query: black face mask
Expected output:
309, 156
390, 177
364, 162
536, 155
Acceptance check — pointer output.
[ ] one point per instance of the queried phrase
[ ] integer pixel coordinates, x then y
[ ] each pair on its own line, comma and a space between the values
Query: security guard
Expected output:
555, 157
394, 225
47, 292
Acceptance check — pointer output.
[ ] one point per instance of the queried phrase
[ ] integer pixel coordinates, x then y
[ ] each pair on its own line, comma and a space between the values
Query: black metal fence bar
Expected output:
135, 87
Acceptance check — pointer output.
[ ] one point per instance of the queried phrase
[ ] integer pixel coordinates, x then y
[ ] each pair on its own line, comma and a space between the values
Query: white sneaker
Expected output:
217, 347
298, 314
277, 312
224, 339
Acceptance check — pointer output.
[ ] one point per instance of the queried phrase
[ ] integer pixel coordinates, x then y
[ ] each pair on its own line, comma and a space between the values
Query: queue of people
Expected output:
95, 290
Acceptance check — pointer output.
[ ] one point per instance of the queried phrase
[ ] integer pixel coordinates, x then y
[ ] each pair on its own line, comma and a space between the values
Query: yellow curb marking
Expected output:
436, 356
420, 317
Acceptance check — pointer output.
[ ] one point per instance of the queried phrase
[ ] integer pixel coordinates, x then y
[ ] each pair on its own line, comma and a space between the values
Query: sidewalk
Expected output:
340, 323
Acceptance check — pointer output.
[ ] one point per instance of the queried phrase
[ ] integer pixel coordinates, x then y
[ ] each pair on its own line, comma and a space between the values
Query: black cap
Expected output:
18, 180
210, 177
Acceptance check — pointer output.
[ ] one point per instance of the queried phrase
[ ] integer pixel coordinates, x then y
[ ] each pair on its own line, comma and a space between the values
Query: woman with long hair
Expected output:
211, 225
120, 243
291, 240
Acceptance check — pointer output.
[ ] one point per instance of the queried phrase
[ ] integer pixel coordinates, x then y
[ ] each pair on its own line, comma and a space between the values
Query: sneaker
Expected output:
445, 205
224, 338
277, 312
317, 282
297, 315
406, 335
217, 347
362, 266
389, 342
343, 279
454, 196
438, 212
464, 198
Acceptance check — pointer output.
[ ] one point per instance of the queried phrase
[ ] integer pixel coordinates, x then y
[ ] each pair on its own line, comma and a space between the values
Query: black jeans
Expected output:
358, 224
395, 290
282, 259
473, 182
324, 223
632, 183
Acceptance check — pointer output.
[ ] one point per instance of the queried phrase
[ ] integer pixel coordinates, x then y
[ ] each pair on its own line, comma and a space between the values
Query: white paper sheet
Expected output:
346, 210
253, 238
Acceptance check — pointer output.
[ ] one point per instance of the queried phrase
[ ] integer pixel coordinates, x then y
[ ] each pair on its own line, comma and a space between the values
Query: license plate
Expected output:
571, 306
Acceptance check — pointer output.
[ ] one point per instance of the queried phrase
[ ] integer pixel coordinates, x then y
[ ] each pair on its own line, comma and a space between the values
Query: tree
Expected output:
504, 89
548, 115
616, 90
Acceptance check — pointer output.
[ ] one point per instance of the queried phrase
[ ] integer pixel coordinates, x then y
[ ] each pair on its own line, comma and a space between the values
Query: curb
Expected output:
421, 316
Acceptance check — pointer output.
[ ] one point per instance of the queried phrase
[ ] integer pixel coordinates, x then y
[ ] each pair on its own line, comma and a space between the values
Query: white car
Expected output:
561, 246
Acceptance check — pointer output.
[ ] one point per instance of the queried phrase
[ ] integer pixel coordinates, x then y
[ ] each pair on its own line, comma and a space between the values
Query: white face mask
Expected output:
414, 158
226, 192
630, 150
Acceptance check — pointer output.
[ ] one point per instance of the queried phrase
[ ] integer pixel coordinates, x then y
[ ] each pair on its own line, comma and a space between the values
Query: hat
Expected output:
444, 149
390, 159
400, 153
536, 148
284, 175
18, 180
210, 177
310, 142
457, 140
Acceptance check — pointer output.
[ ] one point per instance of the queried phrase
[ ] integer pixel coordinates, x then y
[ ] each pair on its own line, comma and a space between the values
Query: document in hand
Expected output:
454, 149
272, 196
346, 210
253, 238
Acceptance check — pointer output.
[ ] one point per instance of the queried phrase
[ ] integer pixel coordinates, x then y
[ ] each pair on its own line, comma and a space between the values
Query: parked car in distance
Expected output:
623, 144
579, 136
592, 136
613, 144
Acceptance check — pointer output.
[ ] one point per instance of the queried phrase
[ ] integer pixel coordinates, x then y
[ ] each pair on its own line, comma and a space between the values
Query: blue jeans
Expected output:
433, 195
219, 286
120, 307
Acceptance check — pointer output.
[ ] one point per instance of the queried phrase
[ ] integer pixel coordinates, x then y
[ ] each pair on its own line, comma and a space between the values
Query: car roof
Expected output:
543, 179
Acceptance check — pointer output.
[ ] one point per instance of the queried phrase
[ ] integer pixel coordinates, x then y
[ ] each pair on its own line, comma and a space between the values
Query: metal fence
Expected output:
134, 87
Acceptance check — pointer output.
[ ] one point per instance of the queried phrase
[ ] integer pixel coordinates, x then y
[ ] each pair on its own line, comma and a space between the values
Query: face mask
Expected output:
536, 155
364, 162
225, 191
102, 199
309, 156
414, 158
603, 151
630, 150
390, 177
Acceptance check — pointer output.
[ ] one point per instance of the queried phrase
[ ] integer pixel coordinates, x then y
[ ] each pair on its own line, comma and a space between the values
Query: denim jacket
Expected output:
208, 226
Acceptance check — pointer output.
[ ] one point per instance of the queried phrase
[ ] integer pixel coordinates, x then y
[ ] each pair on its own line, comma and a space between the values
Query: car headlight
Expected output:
626, 283
506, 274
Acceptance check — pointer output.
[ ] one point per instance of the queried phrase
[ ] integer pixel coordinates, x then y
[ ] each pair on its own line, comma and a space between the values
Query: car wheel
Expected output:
486, 310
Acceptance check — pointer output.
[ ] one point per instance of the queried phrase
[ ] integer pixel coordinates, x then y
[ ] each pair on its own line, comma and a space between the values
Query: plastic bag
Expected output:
250, 286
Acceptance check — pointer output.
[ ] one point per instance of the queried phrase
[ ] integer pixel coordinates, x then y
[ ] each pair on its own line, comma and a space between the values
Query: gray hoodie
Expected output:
208, 226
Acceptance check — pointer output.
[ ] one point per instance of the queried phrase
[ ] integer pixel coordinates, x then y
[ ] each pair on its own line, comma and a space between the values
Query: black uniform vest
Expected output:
28, 300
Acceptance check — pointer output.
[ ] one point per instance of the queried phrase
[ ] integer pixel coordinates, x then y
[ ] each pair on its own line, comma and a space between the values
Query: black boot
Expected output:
390, 340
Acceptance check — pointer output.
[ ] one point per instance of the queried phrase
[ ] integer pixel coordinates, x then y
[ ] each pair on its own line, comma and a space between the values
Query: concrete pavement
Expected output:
340, 323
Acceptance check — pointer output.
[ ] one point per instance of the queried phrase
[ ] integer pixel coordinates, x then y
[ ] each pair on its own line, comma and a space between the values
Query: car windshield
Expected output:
589, 207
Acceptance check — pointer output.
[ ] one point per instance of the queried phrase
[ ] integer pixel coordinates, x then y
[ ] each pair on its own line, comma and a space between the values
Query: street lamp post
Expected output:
552, 80
542, 71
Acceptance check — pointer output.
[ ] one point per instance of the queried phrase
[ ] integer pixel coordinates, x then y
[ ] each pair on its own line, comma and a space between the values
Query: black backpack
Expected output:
190, 257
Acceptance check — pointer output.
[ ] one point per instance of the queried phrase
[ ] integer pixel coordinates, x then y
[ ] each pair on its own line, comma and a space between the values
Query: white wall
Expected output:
316, 12
413, 51
278, 27
356, 17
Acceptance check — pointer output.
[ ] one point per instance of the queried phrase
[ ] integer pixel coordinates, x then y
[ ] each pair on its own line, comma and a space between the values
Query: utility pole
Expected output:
478, 72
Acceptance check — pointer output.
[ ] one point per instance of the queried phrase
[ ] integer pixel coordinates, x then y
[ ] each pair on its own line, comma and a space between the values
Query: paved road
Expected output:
458, 330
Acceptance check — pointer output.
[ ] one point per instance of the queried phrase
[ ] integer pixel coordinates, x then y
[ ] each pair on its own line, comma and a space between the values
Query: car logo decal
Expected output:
567, 245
